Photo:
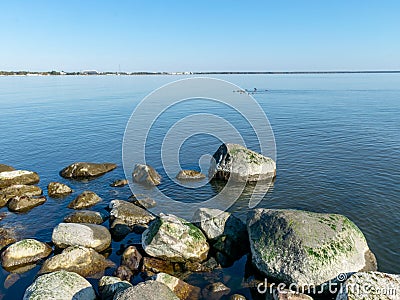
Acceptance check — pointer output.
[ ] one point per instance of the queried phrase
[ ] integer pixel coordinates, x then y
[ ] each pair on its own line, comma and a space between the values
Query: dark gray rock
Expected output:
110, 285
57, 189
241, 164
85, 216
86, 170
85, 200
146, 175
9, 178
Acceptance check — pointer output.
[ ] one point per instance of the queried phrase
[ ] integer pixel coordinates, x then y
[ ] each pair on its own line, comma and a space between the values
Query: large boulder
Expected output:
9, 178
190, 175
78, 259
146, 175
148, 290
175, 239
85, 200
5, 168
180, 288
57, 189
85, 216
86, 170
12, 191
25, 203
24, 252
130, 214
370, 286
60, 285
306, 248
241, 164
79, 234
227, 233
110, 285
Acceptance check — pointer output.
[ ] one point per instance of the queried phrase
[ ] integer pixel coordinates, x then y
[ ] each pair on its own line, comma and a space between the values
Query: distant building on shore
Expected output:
89, 72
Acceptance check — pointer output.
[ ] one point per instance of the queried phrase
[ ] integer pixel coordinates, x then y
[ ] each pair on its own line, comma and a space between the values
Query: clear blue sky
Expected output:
204, 35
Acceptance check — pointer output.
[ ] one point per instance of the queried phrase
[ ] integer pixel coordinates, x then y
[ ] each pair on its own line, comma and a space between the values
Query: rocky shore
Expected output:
307, 250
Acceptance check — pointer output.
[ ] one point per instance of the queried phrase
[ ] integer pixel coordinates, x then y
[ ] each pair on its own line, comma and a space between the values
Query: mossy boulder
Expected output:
85, 200
370, 286
60, 285
240, 164
85, 216
25, 203
9, 178
81, 234
174, 239
146, 175
57, 189
81, 260
24, 252
148, 290
306, 248
12, 191
86, 170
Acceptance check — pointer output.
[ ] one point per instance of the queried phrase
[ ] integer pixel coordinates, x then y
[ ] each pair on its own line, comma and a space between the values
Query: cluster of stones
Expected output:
288, 246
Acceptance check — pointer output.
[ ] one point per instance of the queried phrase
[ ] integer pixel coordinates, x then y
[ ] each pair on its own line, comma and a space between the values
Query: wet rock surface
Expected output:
25, 203
110, 285
12, 191
85, 200
148, 290
119, 183
85, 216
57, 189
86, 170
8, 178
190, 175
130, 214
146, 175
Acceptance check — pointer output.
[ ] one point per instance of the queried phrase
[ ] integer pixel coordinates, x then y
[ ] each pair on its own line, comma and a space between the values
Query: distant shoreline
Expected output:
95, 73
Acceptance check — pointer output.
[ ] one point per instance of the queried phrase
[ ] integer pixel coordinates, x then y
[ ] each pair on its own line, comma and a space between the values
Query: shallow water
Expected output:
337, 138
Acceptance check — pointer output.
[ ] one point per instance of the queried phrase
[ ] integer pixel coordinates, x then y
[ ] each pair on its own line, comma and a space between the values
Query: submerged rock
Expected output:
25, 203
81, 260
227, 233
85, 216
123, 273
370, 286
7, 237
146, 175
148, 290
60, 285
130, 214
12, 191
119, 183
110, 285
5, 168
306, 248
190, 175
79, 234
215, 291
142, 201
9, 178
24, 252
85, 170
156, 265
180, 288
241, 164
57, 189
85, 200
174, 239
131, 258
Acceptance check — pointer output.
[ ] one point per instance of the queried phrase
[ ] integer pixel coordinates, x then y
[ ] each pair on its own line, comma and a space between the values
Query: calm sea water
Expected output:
337, 138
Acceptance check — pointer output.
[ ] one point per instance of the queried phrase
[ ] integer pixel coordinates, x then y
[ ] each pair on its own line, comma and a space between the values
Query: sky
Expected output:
200, 35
